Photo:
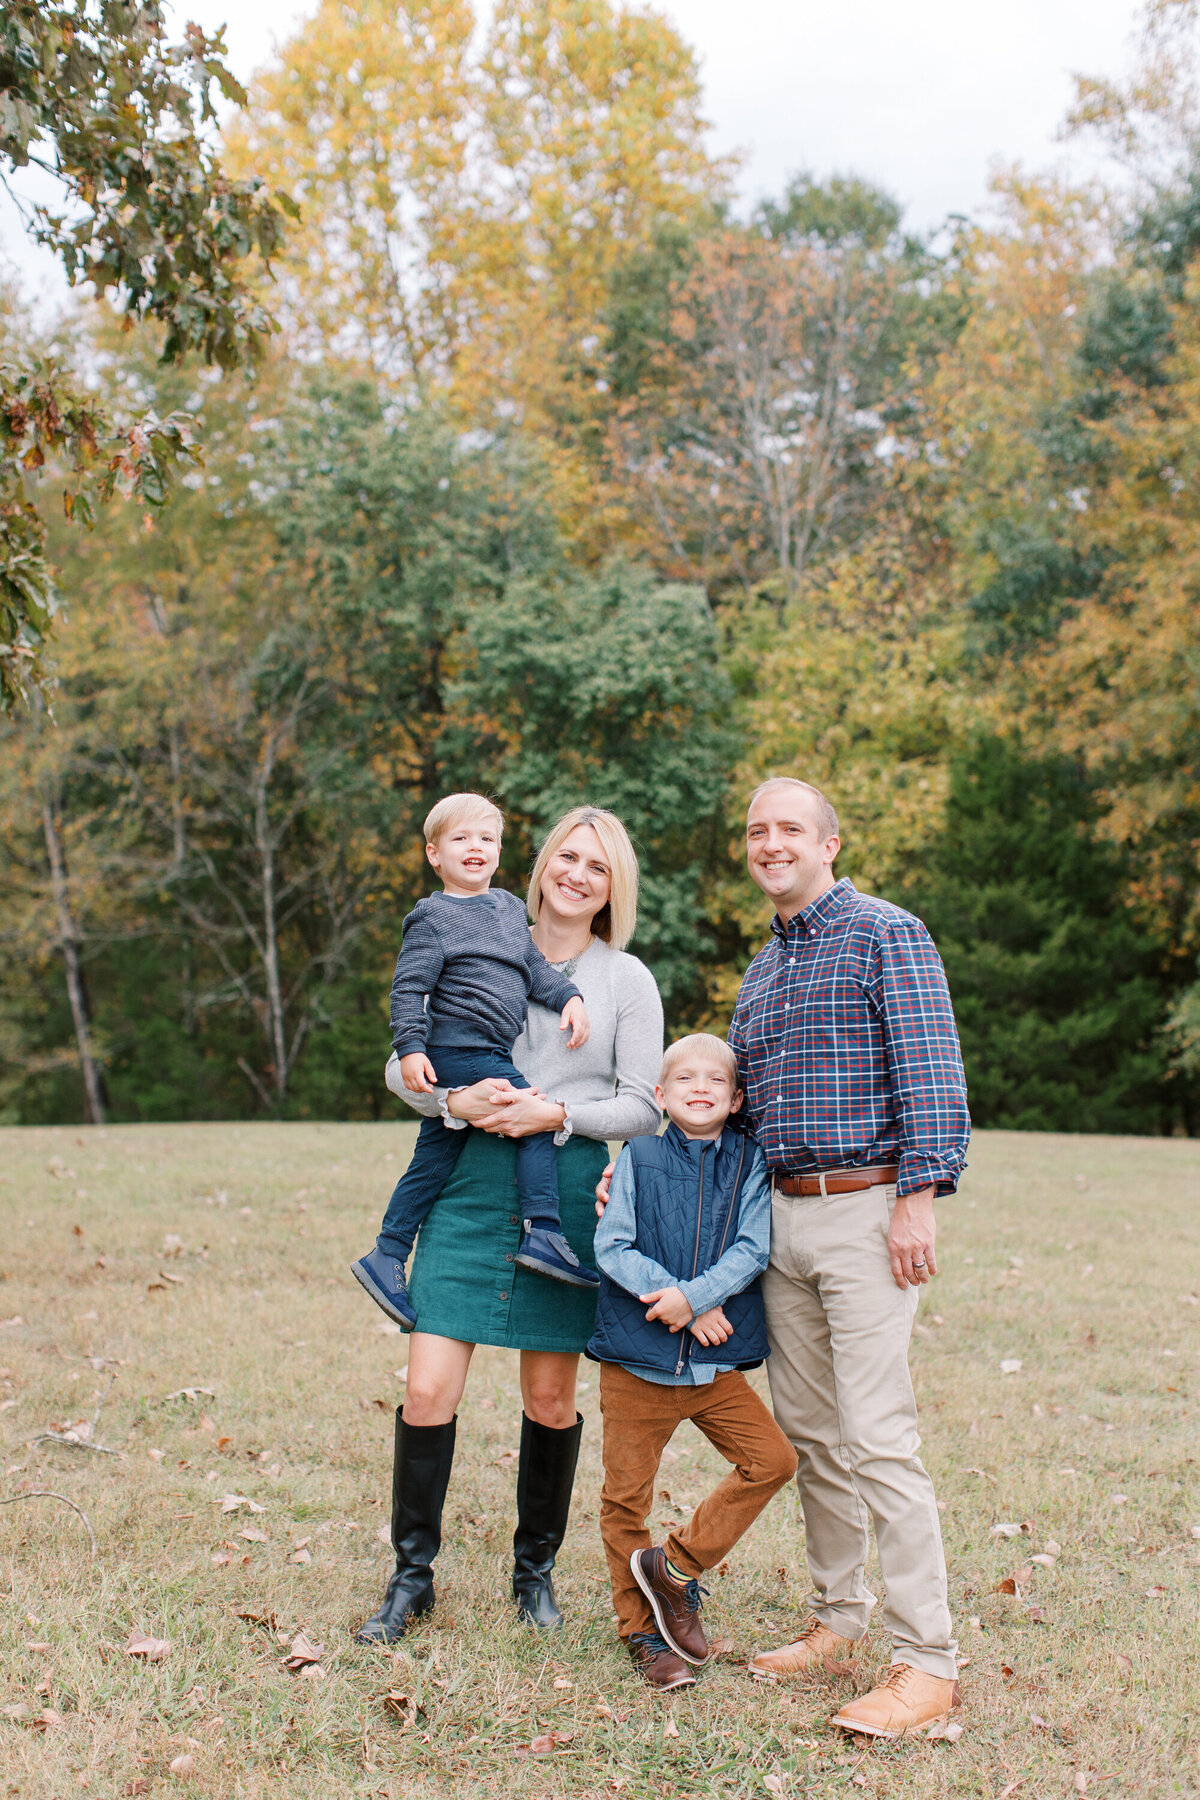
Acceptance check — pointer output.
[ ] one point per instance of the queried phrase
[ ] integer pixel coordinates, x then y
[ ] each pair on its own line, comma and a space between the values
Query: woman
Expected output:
464, 1284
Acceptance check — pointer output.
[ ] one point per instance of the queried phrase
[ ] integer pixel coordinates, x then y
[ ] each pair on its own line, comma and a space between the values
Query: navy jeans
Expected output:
438, 1150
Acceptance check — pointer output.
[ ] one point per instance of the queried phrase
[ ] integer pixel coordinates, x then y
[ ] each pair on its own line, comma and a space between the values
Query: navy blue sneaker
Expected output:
383, 1277
548, 1253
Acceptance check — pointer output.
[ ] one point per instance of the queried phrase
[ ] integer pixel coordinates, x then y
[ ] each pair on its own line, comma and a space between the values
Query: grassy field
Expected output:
192, 1284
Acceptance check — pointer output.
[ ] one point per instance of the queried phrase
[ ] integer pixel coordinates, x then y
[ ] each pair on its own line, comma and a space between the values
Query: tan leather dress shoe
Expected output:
907, 1703
815, 1645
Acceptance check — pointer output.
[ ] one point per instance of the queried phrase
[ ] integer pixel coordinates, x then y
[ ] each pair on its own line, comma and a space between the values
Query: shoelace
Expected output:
898, 1677
691, 1595
652, 1642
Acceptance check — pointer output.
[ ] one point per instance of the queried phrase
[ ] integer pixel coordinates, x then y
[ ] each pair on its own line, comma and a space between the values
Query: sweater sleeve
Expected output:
418, 967
546, 986
632, 1110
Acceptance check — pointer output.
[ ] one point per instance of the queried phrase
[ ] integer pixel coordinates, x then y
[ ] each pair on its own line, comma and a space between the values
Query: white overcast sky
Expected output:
924, 97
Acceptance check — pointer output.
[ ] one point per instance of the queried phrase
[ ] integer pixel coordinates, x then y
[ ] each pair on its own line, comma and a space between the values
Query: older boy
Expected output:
681, 1245
465, 975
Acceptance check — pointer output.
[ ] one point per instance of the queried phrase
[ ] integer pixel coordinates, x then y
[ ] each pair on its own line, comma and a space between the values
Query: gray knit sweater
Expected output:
607, 1085
466, 972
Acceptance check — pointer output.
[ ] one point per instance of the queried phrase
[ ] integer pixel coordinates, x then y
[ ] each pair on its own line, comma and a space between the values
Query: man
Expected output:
848, 1053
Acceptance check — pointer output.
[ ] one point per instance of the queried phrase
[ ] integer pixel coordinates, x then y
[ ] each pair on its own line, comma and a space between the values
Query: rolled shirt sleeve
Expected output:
928, 1085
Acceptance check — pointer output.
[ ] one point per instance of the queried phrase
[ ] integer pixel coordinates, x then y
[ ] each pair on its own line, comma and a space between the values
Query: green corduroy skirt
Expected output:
464, 1282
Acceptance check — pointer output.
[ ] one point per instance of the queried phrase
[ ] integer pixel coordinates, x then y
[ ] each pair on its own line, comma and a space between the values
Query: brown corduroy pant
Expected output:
640, 1418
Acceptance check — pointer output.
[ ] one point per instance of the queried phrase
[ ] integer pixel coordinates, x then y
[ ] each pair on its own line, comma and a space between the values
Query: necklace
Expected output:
569, 967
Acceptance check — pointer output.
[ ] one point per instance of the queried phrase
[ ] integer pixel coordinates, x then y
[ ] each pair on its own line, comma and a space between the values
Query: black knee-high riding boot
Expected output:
420, 1476
545, 1477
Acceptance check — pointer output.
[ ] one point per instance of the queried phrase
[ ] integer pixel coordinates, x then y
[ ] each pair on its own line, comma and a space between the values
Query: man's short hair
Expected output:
457, 809
700, 1043
827, 819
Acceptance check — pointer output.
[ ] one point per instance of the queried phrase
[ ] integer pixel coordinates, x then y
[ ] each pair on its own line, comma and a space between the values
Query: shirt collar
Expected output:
813, 919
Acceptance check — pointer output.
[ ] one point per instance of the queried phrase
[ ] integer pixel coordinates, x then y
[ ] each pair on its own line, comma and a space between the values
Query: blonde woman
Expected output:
465, 1285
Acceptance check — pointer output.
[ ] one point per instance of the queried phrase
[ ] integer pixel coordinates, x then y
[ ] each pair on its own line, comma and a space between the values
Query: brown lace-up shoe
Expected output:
657, 1663
676, 1605
816, 1646
907, 1703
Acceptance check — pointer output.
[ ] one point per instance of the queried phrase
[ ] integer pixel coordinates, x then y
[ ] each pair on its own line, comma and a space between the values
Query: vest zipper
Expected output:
685, 1348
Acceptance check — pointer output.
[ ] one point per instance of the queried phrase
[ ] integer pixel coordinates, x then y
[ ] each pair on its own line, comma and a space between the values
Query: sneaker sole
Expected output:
380, 1298
910, 1731
697, 1662
527, 1262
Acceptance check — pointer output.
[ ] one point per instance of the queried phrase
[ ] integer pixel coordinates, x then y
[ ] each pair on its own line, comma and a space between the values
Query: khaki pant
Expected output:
640, 1417
839, 1330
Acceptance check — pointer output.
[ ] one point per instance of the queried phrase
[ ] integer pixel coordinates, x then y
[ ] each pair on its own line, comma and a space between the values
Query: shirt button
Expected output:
508, 1258
787, 1006
514, 1218
503, 1294
779, 1099
791, 962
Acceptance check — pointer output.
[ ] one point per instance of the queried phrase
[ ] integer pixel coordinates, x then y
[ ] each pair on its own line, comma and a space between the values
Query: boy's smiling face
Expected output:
466, 856
698, 1094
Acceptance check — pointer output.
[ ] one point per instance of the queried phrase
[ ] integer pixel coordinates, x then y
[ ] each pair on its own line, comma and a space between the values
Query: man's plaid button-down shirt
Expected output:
847, 1048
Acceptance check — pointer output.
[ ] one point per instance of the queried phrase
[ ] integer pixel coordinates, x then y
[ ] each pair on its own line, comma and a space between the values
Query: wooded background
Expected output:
568, 478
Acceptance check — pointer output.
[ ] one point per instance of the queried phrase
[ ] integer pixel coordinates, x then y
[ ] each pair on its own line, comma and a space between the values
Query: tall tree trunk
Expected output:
68, 942
266, 856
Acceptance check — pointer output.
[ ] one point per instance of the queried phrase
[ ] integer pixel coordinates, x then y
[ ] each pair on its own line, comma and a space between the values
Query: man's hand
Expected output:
711, 1327
575, 1020
911, 1239
602, 1187
417, 1073
669, 1305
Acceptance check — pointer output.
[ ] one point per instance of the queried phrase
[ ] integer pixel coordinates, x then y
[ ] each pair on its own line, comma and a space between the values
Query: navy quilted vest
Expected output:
687, 1208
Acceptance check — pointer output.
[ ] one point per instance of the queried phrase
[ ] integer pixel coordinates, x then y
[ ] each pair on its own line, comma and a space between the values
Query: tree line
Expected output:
568, 477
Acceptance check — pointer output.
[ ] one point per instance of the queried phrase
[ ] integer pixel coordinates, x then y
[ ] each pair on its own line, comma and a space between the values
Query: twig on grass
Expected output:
48, 1494
79, 1437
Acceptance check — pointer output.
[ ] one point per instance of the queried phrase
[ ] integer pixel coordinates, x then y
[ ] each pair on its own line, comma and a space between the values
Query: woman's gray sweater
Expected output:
607, 1085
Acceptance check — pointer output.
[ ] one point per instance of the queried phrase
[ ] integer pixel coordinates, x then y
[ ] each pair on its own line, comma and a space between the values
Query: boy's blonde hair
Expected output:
615, 921
700, 1043
456, 809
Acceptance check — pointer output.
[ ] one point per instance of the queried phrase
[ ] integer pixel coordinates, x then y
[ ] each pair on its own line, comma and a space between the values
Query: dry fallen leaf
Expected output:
183, 1765
403, 1705
1081, 1782
505, 1460
1125, 1662
542, 1746
253, 1536
1053, 1548
562, 1682
48, 1719
234, 1503
1011, 1365
259, 1618
1155, 1593
219, 1558
302, 1653
1011, 1788
773, 1783
149, 1649
300, 1556
671, 1729
1044, 1561
1004, 1531
1007, 1586
605, 1712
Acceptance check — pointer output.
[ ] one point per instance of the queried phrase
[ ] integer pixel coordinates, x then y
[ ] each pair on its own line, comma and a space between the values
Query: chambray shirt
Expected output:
745, 1259
847, 1048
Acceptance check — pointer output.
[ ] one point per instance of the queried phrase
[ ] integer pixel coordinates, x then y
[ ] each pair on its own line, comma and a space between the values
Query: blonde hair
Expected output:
700, 1043
827, 819
455, 810
616, 919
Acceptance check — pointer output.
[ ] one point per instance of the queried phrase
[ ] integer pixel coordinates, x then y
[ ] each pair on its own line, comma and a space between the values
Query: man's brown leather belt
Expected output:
836, 1181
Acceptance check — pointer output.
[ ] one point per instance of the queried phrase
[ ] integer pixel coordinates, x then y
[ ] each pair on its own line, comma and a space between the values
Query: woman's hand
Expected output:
670, 1305
602, 1187
519, 1112
476, 1103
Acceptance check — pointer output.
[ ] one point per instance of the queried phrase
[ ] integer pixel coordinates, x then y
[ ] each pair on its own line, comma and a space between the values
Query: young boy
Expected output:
684, 1237
465, 975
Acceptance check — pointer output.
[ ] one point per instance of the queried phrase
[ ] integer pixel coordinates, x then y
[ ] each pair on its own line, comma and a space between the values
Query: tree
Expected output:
1058, 987
94, 94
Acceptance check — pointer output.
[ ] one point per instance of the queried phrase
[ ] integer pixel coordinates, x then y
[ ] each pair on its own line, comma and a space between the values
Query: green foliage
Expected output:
95, 95
1057, 986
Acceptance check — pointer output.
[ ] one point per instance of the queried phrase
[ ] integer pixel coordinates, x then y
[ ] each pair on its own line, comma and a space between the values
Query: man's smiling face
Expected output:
786, 852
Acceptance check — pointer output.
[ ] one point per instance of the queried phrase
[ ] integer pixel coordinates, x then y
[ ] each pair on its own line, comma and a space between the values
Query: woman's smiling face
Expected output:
578, 880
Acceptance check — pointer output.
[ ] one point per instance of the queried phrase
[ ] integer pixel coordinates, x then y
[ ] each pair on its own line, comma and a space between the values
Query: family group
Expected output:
786, 1215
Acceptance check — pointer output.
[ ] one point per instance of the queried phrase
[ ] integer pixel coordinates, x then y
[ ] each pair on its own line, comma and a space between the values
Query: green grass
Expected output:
1078, 1256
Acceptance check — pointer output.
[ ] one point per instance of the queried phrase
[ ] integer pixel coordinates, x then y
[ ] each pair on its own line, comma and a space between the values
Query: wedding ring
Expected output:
918, 1265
